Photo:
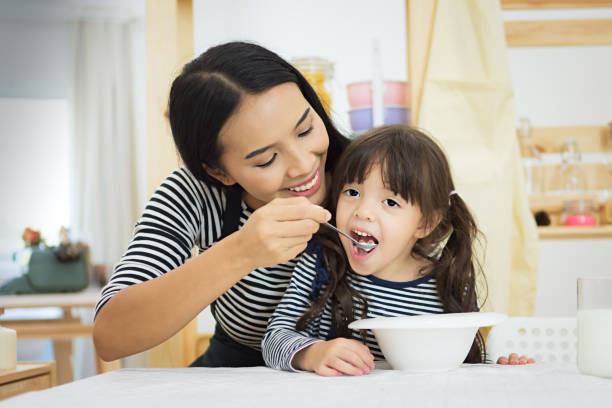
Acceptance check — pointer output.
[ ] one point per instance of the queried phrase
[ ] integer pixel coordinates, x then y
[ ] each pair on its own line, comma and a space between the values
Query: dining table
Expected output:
474, 385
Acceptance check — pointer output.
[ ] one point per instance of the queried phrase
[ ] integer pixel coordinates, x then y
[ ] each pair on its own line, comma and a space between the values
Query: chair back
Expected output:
547, 339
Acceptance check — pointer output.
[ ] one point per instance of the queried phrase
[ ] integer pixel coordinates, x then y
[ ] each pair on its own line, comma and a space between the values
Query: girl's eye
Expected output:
351, 192
269, 162
391, 203
306, 132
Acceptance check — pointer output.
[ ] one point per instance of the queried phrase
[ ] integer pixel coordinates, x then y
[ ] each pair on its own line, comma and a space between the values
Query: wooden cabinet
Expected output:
27, 377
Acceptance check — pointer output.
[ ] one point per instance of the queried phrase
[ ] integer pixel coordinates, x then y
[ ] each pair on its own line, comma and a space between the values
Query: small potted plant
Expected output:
32, 238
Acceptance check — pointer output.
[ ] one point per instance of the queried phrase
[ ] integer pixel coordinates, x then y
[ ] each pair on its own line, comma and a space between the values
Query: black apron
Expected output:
223, 351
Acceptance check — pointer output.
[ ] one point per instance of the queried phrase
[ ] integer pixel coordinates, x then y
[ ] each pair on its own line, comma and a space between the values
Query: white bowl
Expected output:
433, 342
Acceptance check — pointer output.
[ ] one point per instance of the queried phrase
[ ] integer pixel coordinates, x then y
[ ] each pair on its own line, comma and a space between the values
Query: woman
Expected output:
257, 147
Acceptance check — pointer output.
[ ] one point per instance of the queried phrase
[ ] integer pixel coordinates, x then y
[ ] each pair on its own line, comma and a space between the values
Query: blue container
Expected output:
361, 119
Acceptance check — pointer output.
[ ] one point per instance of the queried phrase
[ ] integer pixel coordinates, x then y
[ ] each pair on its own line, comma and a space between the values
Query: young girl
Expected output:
393, 187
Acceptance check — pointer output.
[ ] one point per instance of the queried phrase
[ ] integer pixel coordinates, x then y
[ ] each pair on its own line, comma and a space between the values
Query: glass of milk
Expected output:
595, 326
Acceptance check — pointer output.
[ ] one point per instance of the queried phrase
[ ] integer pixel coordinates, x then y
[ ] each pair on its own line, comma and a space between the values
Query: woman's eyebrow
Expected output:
263, 149
304, 115
258, 151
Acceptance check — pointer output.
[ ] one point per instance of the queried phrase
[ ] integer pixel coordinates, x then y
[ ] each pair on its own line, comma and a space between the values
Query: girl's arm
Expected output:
282, 341
285, 348
155, 290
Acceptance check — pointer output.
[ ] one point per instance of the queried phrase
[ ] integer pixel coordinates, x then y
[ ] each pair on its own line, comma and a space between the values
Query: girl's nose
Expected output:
364, 211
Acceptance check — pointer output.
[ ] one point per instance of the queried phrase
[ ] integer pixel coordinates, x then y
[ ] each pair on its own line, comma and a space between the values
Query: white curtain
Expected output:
107, 166
468, 103
105, 186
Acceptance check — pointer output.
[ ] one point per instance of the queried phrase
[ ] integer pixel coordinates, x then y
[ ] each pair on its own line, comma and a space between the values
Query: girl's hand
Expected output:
280, 230
335, 357
514, 359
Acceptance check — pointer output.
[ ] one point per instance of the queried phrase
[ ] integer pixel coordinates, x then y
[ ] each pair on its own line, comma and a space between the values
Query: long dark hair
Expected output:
414, 167
210, 88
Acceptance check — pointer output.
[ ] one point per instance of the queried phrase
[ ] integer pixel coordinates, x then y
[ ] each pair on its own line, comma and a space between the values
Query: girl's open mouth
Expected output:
364, 237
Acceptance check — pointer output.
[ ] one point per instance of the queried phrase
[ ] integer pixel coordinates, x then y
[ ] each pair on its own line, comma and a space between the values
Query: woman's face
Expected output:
274, 145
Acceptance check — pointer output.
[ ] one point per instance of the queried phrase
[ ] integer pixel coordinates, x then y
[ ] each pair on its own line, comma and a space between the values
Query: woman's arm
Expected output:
137, 312
144, 315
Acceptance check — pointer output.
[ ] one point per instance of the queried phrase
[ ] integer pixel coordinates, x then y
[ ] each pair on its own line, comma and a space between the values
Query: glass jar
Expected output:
318, 72
578, 213
594, 354
571, 176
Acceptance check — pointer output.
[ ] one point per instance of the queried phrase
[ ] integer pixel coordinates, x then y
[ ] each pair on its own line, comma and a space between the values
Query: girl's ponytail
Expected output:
457, 268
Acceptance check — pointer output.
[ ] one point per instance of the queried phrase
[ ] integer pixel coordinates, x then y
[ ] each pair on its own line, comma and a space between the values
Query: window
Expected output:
34, 163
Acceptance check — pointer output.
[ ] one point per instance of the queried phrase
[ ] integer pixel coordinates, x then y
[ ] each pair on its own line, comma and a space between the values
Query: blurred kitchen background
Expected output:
74, 67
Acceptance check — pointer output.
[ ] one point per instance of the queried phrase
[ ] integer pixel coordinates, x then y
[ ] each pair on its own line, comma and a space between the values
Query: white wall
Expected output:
562, 86
36, 59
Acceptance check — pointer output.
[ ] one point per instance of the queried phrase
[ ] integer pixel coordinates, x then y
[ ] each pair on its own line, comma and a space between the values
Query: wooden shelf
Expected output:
552, 4
562, 232
553, 204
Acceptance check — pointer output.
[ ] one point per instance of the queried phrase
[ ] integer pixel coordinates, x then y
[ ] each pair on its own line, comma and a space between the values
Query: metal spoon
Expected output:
366, 246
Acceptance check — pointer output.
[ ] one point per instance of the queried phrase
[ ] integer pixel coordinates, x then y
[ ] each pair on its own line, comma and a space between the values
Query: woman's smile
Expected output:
309, 187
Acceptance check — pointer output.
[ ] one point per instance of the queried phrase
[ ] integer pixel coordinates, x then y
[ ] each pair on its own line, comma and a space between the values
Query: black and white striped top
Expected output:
385, 298
185, 212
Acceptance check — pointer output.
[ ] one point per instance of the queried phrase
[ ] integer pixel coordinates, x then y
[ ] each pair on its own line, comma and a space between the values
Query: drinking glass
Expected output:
595, 326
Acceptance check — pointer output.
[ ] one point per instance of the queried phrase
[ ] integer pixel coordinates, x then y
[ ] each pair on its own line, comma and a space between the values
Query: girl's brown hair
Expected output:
413, 166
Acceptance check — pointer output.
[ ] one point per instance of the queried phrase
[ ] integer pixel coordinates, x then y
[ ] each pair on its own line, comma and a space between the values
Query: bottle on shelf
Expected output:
530, 158
579, 213
571, 175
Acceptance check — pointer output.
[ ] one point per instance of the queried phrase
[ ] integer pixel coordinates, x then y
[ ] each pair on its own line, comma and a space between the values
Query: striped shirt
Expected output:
385, 298
183, 213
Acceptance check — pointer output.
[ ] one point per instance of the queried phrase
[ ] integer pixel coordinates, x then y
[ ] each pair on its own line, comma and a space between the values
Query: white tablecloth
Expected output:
470, 386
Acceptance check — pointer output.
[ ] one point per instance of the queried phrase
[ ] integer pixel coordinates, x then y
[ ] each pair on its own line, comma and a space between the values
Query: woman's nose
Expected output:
300, 163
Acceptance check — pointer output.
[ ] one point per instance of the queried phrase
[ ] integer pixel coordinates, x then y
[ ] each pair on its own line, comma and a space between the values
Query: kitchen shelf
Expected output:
595, 143
562, 232
553, 205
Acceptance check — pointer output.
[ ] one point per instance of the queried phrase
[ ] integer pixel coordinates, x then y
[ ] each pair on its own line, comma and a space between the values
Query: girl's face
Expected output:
275, 145
371, 213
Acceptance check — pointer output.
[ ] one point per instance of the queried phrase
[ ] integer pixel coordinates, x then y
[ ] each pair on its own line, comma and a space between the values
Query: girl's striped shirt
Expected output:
385, 298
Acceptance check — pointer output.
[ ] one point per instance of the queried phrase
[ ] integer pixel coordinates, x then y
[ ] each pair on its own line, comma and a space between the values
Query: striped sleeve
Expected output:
181, 213
282, 341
